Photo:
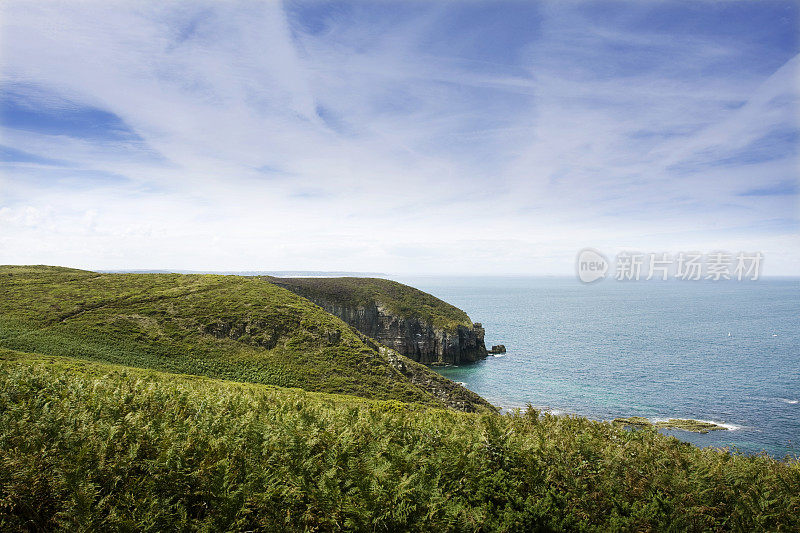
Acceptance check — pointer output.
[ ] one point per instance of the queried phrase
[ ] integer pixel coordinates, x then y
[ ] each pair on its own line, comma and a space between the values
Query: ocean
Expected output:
727, 352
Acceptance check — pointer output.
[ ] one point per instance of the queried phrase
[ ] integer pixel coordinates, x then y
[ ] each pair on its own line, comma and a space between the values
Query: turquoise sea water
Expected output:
727, 352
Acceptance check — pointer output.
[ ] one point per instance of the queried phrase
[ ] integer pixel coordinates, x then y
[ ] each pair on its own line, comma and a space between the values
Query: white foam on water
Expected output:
556, 412
729, 427
790, 402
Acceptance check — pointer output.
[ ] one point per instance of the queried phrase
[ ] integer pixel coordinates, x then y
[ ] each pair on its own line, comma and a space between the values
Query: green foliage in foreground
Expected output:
399, 299
98, 447
231, 327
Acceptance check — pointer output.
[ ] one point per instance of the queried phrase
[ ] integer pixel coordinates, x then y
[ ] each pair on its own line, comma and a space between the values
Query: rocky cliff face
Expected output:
413, 338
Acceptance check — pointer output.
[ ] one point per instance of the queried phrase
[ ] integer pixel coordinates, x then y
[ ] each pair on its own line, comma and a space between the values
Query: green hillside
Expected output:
230, 327
88, 446
401, 300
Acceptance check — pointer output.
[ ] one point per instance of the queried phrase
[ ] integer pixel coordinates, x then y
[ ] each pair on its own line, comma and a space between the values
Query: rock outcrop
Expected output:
414, 338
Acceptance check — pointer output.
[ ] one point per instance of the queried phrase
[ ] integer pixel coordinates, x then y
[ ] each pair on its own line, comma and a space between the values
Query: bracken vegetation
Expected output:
87, 446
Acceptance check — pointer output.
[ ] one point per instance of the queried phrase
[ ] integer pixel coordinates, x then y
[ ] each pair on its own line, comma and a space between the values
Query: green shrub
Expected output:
86, 446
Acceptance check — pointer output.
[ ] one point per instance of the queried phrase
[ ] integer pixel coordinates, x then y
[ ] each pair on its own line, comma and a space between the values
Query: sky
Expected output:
435, 137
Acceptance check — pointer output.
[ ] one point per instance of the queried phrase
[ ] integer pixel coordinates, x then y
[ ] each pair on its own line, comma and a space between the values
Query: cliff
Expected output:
407, 320
236, 328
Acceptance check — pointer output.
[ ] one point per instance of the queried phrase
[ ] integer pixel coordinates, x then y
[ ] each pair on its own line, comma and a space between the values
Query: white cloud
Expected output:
417, 162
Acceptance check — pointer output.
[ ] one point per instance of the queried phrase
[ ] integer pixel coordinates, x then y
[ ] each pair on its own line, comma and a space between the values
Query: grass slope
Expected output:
399, 299
232, 327
89, 446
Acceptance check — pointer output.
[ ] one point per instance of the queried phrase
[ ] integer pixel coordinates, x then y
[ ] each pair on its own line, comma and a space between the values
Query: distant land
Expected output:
276, 273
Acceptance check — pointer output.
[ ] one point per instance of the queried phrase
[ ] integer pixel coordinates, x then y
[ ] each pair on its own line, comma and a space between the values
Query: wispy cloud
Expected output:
401, 137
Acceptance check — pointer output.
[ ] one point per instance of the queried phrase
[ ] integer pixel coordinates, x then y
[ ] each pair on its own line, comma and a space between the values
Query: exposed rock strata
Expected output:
414, 338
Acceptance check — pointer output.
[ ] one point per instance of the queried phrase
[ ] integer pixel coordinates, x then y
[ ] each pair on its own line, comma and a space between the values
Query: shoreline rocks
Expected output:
684, 424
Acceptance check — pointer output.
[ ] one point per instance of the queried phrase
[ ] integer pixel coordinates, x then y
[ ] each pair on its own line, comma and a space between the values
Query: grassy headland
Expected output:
401, 300
230, 327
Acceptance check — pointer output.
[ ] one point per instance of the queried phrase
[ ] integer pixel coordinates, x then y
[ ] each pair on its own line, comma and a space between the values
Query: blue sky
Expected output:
401, 137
